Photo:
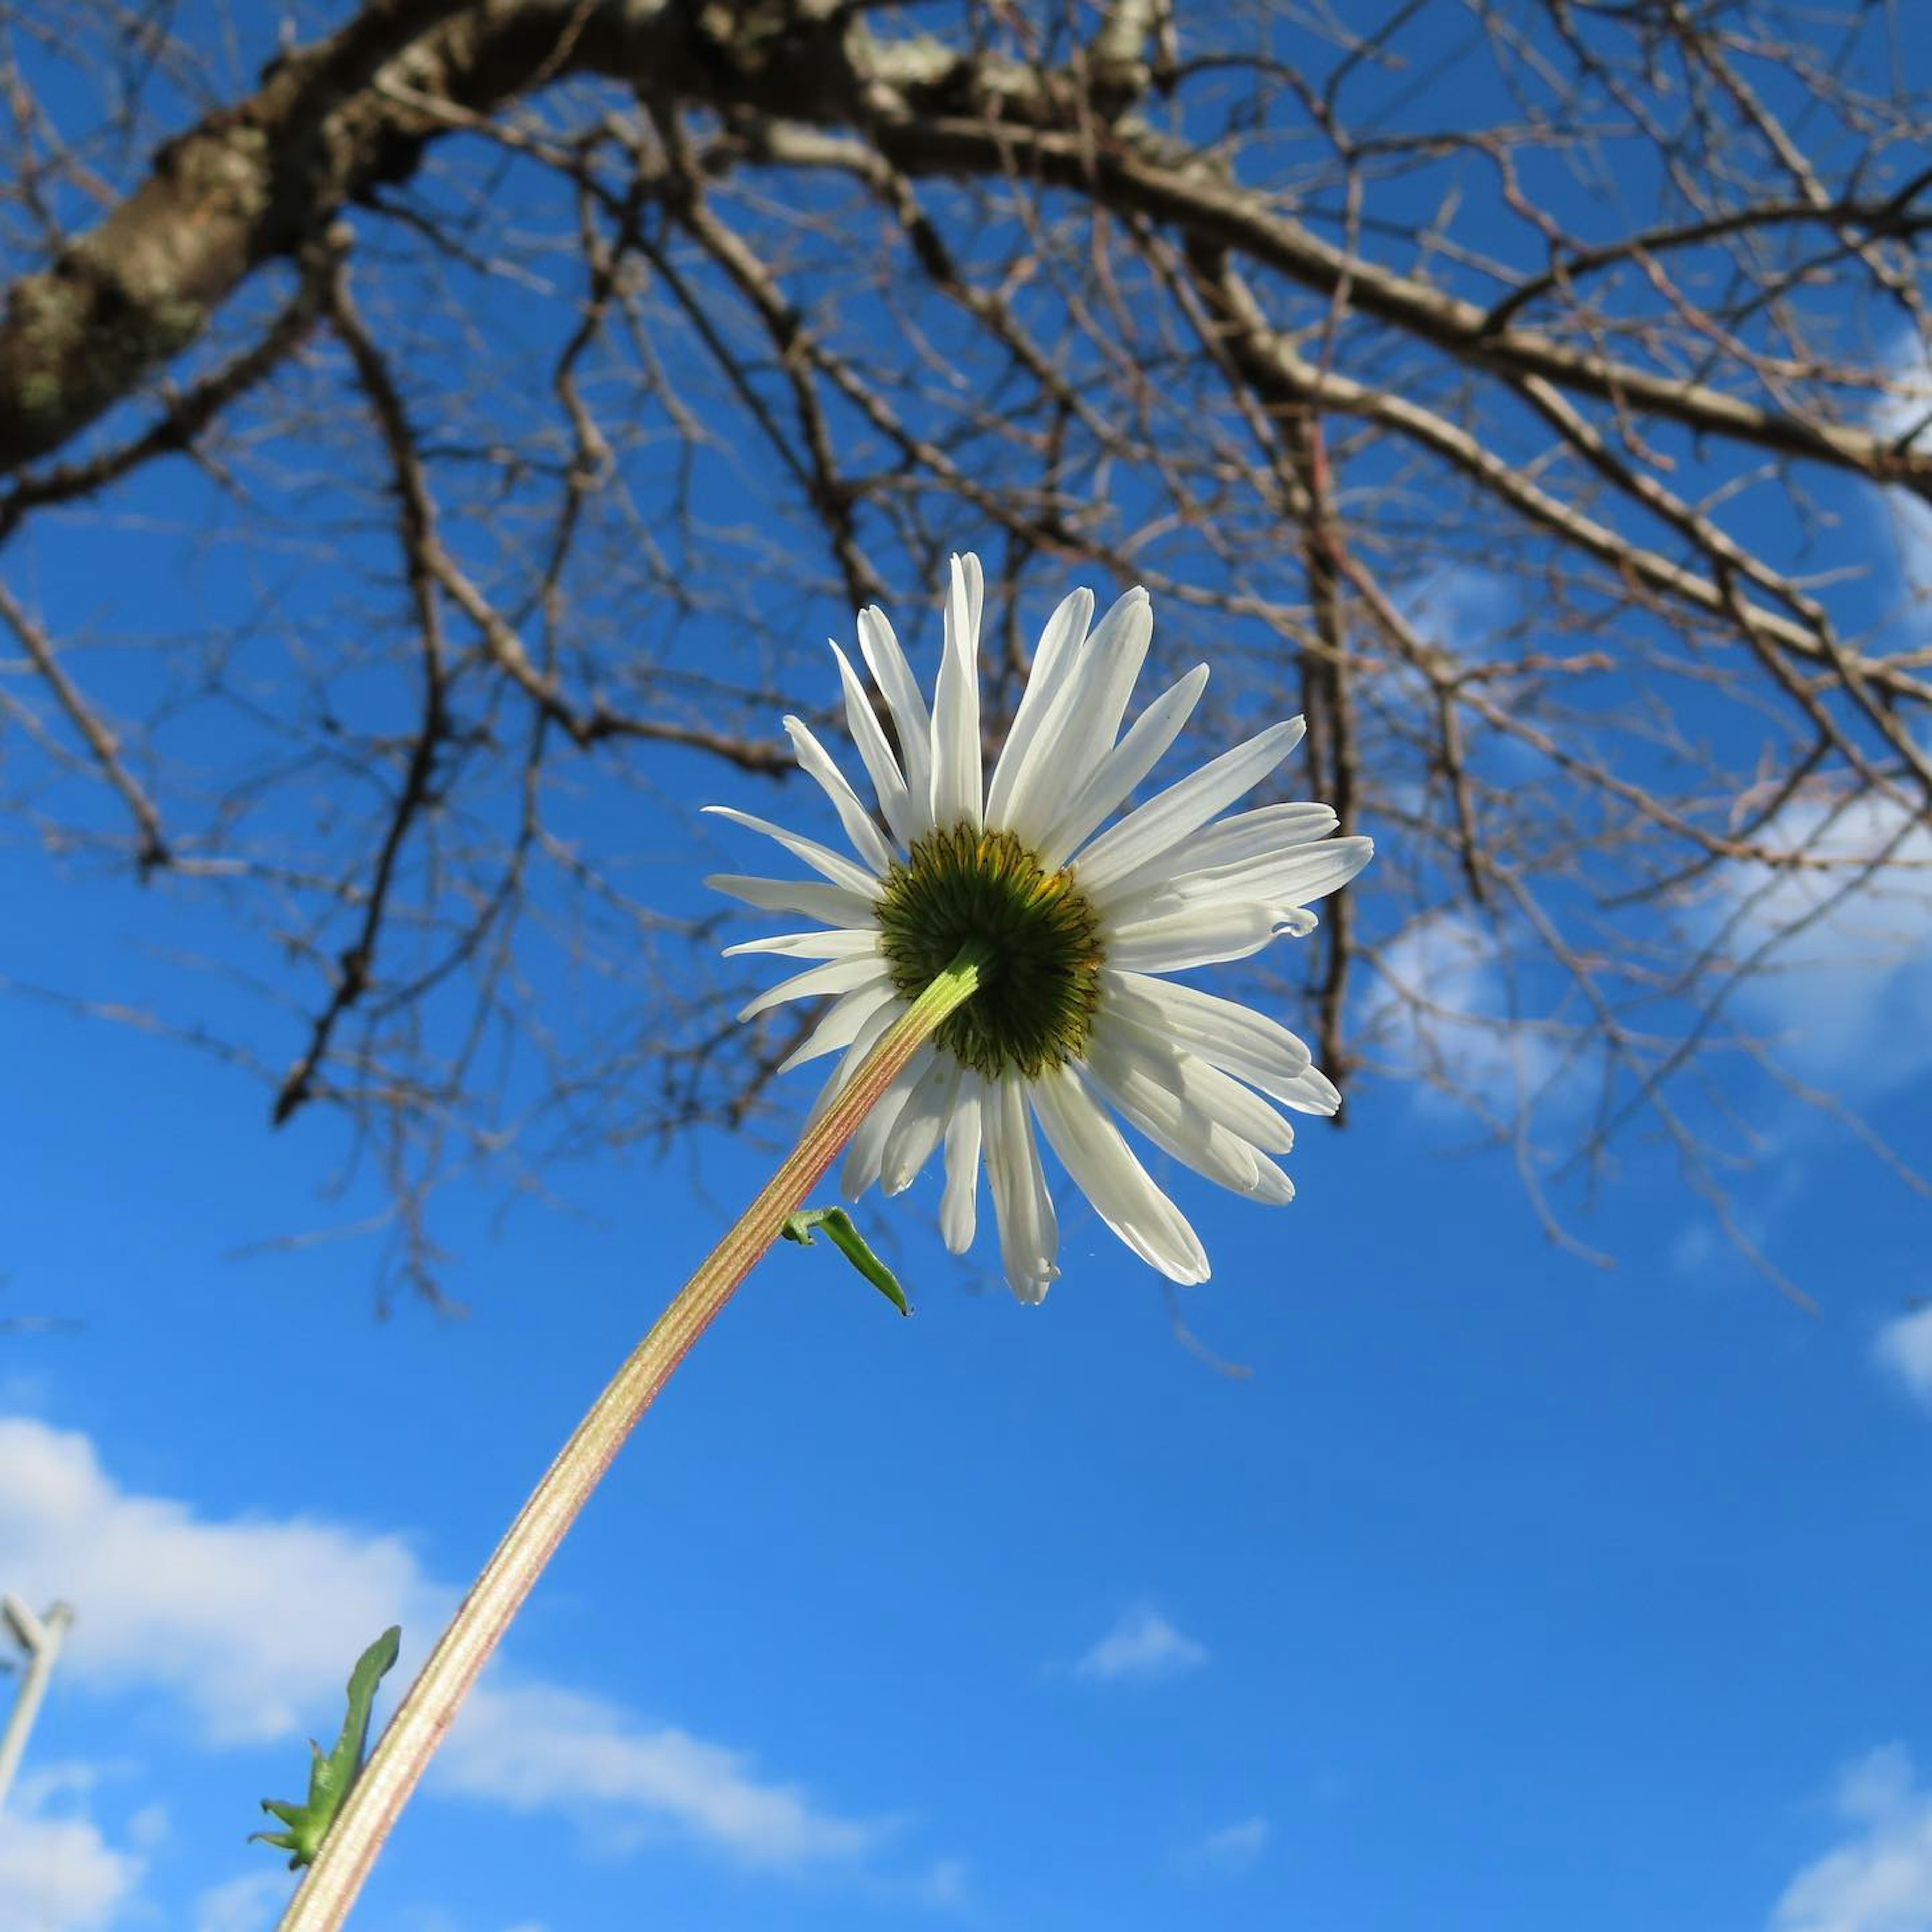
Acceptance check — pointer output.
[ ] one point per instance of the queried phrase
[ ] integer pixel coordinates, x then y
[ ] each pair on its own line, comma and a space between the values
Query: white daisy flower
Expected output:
1073, 1011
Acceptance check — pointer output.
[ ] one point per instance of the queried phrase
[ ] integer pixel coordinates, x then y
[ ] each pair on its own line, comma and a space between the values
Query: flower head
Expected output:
1082, 924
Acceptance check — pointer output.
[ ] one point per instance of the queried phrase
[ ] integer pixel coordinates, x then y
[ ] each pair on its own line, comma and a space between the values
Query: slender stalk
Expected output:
40, 1638
332, 1882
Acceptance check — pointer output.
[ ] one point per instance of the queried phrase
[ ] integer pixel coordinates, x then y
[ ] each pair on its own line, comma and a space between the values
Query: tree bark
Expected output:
263, 180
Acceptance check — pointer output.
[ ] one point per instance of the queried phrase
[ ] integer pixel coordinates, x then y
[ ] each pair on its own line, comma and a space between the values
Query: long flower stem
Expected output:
376, 1801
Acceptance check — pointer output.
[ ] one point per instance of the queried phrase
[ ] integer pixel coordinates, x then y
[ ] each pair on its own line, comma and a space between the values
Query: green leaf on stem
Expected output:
331, 1776
850, 1243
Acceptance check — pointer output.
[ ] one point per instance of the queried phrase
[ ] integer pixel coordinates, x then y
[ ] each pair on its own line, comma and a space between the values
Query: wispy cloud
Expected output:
249, 1623
1444, 1013
943, 1885
1909, 409
1903, 1346
1463, 609
1233, 1849
1140, 1647
58, 1873
1848, 993
251, 1903
536, 1746
1879, 1880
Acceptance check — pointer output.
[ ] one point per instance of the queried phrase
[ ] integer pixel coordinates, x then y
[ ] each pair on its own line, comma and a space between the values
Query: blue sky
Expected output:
1500, 1591
1495, 1570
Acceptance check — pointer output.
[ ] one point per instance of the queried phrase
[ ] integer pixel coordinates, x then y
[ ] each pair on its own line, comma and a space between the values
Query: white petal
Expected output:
1195, 936
1217, 1098
1078, 731
959, 1206
976, 596
1246, 835
1209, 1149
1272, 1188
867, 1143
1310, 871
848, 944
893, 676
1131, 1080
1123, 768
1043, 780
1226, 1102
871, 1027
1051, 661
955, 704
816, 762
832, 905
1284, 879
1309, 1092
821, 858
1265, 828
842, 976
845, 1020
1110, 662
1029, 1235
1233, 1037
1169, 817
921, 1122
1102, 1166
895, 803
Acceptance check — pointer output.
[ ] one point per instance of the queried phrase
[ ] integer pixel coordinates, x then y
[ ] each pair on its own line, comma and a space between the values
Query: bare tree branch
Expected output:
1537, 399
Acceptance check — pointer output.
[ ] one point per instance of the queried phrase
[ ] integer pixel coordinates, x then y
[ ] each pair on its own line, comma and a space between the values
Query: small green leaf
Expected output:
331, 1776
850, 1243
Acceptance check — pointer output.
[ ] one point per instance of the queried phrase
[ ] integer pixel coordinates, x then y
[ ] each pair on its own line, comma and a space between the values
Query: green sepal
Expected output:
331, 1774
850, 1243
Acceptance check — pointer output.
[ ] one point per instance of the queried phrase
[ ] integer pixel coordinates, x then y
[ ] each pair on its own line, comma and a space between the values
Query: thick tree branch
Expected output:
262, 179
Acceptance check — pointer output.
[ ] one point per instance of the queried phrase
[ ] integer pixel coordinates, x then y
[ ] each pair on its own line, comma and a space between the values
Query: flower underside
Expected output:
1035, 1007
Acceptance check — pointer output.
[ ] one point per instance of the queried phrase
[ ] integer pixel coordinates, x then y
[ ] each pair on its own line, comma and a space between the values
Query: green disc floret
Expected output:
1035, 1007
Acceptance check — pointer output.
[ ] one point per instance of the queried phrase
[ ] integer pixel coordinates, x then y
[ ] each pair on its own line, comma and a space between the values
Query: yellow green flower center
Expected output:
1036, 1002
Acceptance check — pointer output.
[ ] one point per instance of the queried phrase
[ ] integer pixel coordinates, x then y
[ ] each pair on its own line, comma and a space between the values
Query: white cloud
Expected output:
46, 1786
1904, 1346
536, 1746
251, 1903
1462, 609
1848, 996
1233, 1848
251, 1624
1908, 365
944, 1884
1695, 1247
1142, 1646
58, 1874
426, 1919
149, 1828
1880, 1879
1442, 1014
